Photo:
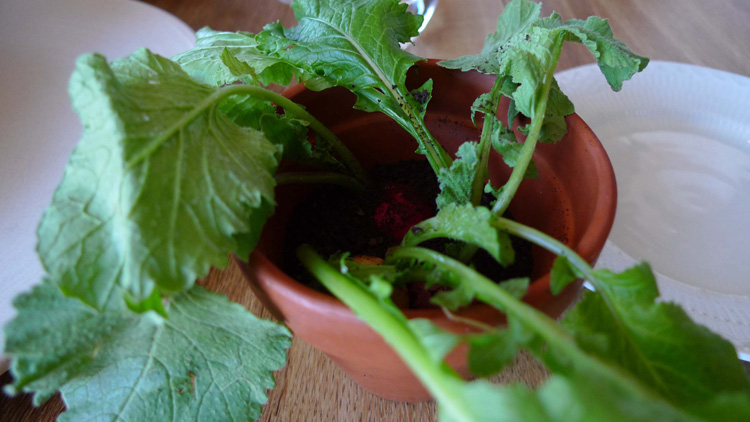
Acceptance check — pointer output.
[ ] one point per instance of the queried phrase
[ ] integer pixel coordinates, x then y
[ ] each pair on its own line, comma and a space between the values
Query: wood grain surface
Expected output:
311, 388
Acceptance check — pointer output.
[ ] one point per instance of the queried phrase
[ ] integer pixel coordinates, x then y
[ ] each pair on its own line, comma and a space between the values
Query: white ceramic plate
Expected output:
678, 136
40, 40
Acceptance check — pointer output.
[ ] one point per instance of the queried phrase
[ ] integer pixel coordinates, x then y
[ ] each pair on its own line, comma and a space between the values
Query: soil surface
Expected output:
333, 220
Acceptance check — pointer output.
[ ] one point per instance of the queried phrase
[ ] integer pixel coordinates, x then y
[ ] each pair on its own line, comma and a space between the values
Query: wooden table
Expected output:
709, 33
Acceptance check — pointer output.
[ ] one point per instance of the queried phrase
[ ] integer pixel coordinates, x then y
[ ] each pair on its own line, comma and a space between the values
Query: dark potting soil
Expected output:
333, 219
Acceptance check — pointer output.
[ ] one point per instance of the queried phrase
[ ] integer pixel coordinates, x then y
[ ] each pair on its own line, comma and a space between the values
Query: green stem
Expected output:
290, 106
433, 147
586, 272
320, 178
558, 248
485, 145
467, 252
440, 380
479, 325
490, 292
547, 242
557, 339
435, 153
527, 151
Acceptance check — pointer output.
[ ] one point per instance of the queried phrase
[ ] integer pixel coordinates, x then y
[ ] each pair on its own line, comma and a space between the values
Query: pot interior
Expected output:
570, 193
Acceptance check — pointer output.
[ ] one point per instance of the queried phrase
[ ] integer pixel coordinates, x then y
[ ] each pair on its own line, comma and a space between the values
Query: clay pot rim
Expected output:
588, 247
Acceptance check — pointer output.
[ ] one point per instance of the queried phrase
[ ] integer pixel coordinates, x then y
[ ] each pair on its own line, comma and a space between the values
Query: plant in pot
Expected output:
177, 168
333, 215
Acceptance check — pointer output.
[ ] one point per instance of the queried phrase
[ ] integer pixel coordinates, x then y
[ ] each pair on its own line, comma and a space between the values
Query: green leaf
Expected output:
483, 104
559, 105
554, 126
355, 44
496, 192
528, 60
468, 224
455, 298
511, 150
614, 58
455, 182
492, 403
211, 357
520, 27
288, 133
246, 110
151, 303
381, 288
451, 274
517, 17
160, 186
237, 68
623, 323
437, 341
351, 43
583, 386
517, 52
420, 97
561, 275
460, 294
291, 135
221, 58
577, 398
490, 352
562, 399
362, 271
523, 48
726, 407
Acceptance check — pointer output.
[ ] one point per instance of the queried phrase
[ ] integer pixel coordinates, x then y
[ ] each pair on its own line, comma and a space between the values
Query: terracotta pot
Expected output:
573, 199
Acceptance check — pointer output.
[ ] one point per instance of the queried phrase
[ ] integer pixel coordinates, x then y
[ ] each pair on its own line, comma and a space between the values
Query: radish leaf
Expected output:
210, 357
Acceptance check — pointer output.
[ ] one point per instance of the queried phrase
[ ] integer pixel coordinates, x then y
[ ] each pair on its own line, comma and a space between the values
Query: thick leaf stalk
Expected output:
439, 379
527, 151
